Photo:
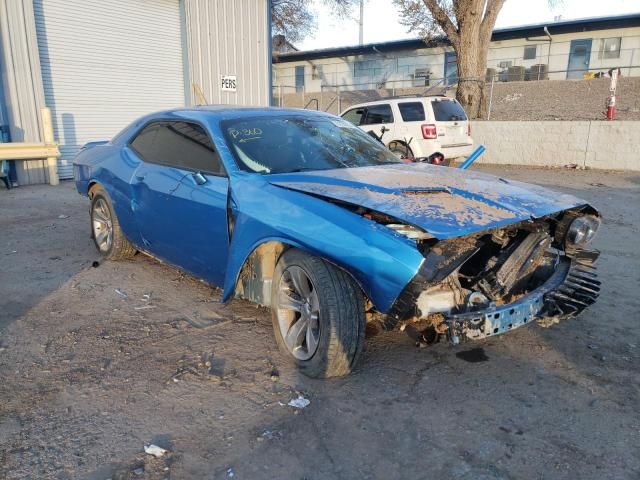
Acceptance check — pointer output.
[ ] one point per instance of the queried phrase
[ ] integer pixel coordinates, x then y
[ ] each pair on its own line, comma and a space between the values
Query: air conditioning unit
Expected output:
421, 77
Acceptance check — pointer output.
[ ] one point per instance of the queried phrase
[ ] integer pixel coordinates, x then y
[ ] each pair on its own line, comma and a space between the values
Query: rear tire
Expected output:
105, 228
401, 150
318, 315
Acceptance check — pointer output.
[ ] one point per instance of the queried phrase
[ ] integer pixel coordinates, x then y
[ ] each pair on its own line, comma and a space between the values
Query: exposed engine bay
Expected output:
486, 284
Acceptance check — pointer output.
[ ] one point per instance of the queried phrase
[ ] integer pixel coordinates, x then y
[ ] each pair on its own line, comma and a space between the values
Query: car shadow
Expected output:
38, 252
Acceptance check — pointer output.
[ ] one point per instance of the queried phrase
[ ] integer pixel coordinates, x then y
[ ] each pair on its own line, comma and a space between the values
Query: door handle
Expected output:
139, 178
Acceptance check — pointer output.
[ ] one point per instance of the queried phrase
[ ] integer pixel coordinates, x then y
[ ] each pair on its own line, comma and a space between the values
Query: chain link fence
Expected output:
526, 87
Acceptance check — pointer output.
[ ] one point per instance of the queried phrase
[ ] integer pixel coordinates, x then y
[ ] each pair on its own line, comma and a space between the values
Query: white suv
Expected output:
416, 127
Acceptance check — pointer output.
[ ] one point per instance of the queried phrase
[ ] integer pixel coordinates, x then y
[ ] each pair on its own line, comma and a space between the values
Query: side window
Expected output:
412, 111
354, 115
530, 52
378, 114
178, 144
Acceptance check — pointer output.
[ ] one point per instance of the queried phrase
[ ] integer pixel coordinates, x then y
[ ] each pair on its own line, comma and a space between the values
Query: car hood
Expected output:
446, 202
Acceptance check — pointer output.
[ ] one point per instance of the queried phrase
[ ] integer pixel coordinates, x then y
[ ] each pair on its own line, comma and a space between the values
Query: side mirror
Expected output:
383, 130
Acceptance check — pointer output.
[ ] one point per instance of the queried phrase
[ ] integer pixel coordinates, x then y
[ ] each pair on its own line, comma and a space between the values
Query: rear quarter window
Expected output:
447, 111
411, 111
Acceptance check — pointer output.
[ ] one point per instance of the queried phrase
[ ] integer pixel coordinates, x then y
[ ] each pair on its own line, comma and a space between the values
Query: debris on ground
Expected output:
275, 375
299, 402
154, 450
95, 264
120, 292
230, 472
63, 216
144, 307
549, 321
571, 165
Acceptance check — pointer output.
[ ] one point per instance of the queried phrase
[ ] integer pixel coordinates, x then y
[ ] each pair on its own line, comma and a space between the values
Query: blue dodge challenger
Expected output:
304, 213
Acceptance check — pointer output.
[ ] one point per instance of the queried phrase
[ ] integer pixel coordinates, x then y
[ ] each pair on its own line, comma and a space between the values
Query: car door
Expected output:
378, 117
179, 197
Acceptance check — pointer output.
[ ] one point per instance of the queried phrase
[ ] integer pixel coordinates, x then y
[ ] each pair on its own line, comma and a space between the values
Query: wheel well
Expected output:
256, 274
90, 190
254, 281
399, 143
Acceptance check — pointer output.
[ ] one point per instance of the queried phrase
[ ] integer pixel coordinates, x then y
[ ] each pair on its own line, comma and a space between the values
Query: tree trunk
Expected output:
472, 65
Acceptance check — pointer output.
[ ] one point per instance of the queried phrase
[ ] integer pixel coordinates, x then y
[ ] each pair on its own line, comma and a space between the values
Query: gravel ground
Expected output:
97, 360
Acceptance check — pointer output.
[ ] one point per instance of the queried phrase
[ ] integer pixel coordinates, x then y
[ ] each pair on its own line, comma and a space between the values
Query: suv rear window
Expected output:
411, 111
447, 111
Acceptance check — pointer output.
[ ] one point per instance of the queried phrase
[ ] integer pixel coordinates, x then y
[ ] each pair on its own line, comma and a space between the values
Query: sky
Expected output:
381, 19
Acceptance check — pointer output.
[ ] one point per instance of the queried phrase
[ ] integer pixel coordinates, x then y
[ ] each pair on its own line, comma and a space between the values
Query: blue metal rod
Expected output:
472, 158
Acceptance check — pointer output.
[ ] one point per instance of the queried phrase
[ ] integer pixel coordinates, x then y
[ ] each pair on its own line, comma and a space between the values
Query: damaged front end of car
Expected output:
491, 282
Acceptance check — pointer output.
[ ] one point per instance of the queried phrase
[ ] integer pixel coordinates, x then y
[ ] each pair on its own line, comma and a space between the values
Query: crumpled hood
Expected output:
446, 202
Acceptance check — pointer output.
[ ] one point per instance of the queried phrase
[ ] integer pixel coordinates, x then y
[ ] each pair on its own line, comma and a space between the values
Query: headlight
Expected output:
409, 231
581, 231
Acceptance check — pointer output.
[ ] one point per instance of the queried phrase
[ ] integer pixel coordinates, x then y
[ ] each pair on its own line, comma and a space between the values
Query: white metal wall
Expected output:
229, 38
105, 63
22, 83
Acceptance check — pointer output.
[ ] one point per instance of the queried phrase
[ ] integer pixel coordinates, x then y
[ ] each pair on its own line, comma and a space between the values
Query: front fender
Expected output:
381, 261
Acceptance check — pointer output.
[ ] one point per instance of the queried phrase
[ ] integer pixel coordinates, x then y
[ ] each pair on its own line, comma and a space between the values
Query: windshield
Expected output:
298, 143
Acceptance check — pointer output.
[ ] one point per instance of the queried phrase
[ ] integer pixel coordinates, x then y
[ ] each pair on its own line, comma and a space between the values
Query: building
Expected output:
558, 50
99, 64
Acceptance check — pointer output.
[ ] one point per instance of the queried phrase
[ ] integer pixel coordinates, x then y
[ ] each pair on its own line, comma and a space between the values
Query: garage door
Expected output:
104, 63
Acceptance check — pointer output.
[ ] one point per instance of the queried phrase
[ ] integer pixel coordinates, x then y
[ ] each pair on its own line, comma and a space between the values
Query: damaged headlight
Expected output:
409, 231
581, 231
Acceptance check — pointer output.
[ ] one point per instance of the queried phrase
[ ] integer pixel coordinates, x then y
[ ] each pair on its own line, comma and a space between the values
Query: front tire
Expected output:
105, 228
318, 315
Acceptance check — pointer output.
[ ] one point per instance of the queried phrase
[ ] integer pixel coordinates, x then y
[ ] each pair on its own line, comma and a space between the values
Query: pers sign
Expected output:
228, 83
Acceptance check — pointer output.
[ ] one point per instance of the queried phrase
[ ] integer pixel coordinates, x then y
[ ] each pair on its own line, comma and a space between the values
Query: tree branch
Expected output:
490, 17
442, 19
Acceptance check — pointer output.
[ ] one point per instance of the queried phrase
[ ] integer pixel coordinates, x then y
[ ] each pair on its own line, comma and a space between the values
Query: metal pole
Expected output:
47, 133
472, 158
490, 98
361, 22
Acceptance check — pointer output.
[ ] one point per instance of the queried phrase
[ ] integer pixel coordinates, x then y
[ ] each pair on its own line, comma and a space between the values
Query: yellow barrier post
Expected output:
47, 132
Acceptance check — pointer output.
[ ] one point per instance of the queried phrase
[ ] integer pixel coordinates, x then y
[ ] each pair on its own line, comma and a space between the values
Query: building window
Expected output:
316, 72
367, 68
300, 78
610, 47
530, 52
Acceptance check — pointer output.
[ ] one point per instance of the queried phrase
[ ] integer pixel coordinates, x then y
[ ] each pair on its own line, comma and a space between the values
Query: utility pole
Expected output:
361, 22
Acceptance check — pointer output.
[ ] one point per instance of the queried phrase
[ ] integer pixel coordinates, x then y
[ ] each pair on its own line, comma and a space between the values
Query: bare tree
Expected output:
294, 19
468, 25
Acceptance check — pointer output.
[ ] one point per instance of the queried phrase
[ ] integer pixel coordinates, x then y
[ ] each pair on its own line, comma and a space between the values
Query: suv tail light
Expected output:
429, 132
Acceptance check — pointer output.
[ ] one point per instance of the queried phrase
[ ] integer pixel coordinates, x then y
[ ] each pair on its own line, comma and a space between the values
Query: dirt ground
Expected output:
97, 361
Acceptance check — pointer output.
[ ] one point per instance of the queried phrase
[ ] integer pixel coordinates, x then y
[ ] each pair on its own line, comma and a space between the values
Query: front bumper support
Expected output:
571, 288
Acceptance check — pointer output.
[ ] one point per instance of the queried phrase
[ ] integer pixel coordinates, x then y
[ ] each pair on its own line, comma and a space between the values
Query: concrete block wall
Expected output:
592, 144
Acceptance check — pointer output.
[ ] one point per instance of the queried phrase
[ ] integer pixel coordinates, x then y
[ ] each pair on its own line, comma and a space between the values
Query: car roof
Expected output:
223, 112
396, 99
